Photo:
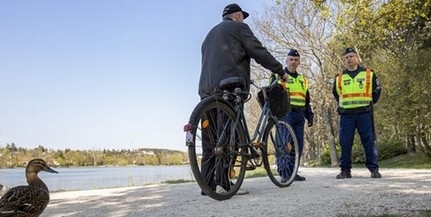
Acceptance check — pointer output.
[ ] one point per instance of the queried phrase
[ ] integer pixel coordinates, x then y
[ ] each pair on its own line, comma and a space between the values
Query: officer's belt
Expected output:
297, 108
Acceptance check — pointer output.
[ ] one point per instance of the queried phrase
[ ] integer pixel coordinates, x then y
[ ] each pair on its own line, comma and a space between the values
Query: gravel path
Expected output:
405, 192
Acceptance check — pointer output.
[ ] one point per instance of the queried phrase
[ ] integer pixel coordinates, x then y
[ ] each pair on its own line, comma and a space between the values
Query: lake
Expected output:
86, 178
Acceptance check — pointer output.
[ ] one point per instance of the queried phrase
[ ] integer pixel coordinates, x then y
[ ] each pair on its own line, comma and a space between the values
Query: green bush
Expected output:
386, 150
325, 157
390, 149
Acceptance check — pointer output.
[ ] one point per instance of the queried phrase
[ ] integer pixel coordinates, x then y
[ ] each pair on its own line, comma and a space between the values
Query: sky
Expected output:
95, 74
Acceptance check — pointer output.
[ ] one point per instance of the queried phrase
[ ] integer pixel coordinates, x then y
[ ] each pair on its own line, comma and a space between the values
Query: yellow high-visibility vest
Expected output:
354, 92
297, 89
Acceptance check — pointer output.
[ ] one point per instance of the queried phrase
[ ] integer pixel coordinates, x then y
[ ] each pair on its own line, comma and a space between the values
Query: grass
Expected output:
425, 213
177, 181
384, 215
258, 172
418, 160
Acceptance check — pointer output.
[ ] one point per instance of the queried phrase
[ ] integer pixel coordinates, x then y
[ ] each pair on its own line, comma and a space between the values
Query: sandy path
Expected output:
400, 191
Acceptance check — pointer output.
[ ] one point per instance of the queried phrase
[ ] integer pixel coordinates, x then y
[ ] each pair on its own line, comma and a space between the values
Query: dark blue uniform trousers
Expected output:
363, 123
297, 121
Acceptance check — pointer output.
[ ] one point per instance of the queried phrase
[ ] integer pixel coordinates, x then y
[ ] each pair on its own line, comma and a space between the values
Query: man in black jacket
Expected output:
226, 52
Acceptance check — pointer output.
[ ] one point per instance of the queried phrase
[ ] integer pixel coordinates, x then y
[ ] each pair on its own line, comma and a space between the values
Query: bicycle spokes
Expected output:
280, 157
215, 157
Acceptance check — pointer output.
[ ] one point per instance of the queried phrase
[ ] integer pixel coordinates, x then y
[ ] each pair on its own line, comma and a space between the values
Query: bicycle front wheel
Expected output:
216, 148
280, 153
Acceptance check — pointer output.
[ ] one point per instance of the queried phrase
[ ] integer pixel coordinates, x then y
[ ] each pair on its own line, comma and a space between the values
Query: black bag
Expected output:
278, 99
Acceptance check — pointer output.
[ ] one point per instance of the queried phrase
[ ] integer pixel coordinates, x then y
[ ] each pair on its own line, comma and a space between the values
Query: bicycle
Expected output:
219, 167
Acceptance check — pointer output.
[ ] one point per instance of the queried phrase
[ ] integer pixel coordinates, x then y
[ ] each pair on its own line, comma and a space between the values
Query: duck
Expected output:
3, 190
27, 200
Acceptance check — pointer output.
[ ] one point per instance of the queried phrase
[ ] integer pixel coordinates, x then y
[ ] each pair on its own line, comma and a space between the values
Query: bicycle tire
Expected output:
202, 127
280, 156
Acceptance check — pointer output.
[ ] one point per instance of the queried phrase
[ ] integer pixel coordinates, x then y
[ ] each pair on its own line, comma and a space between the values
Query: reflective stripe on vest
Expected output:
354, 92
297, 90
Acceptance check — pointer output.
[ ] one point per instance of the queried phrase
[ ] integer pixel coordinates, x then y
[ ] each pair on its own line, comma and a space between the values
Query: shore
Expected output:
401, 191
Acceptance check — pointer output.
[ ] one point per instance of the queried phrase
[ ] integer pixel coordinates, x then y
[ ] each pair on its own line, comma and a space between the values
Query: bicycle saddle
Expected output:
232, 83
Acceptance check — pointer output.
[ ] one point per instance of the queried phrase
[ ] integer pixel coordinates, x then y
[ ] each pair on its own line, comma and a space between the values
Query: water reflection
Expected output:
85, 178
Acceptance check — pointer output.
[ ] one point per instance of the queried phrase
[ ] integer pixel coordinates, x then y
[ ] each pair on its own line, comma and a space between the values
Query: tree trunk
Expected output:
411, 148
327, 117
425, 144
312, 146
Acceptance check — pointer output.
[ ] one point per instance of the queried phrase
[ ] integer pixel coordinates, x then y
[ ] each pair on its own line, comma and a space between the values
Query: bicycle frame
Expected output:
218, 130
264, 117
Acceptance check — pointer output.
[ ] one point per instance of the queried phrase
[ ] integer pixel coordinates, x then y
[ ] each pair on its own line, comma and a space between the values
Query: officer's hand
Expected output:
310, 123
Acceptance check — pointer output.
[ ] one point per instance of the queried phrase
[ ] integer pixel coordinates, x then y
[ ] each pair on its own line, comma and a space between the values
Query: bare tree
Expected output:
300, 25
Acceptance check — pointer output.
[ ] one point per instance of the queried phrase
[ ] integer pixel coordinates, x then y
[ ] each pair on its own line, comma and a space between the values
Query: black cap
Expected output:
349, 50
232, 8
293, 52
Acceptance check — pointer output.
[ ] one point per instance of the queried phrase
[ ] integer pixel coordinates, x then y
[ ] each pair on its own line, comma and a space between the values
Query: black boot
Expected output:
344, 174
375, 174
299, 178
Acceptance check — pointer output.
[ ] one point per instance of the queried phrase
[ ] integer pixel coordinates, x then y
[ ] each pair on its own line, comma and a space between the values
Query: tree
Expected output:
386, 34
299, 25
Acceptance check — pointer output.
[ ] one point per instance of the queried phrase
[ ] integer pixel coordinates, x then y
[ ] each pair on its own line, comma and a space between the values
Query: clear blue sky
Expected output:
94, 74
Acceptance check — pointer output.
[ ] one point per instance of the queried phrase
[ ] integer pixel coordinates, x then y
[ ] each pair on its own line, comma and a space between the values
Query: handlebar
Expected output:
268, 86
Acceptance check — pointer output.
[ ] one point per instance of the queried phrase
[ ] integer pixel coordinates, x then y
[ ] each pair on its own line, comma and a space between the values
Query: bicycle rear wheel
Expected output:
280, 153
217, 158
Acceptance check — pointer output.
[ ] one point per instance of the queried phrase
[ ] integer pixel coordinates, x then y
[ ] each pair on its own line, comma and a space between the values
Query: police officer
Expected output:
299, 101
356, 89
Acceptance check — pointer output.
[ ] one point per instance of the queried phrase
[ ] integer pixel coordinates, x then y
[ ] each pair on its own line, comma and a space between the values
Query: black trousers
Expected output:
215, 167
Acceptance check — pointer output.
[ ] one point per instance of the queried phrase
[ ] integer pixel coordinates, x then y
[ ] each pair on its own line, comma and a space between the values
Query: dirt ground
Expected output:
405, 192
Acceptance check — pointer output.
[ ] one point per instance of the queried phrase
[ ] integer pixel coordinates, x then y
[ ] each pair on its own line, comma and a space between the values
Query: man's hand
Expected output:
310, 123
285, 77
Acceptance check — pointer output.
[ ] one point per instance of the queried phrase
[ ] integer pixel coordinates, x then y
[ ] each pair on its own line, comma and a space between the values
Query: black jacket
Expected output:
375, 92
226, 52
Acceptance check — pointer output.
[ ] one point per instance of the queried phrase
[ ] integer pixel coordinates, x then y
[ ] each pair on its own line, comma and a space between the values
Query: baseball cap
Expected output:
232, 8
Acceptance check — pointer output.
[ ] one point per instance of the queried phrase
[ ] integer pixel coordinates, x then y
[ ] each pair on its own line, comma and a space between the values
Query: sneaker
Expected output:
221, 190
376, 174
344, 174
203, 193
299, 178
283, 179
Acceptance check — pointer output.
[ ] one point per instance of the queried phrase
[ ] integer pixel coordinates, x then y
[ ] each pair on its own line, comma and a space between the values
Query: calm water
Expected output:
85, 178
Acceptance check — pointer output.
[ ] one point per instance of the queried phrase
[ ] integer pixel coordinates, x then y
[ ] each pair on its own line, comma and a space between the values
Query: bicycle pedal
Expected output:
257, 144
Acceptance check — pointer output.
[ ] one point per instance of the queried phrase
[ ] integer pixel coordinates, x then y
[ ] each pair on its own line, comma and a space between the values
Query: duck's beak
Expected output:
50, 170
